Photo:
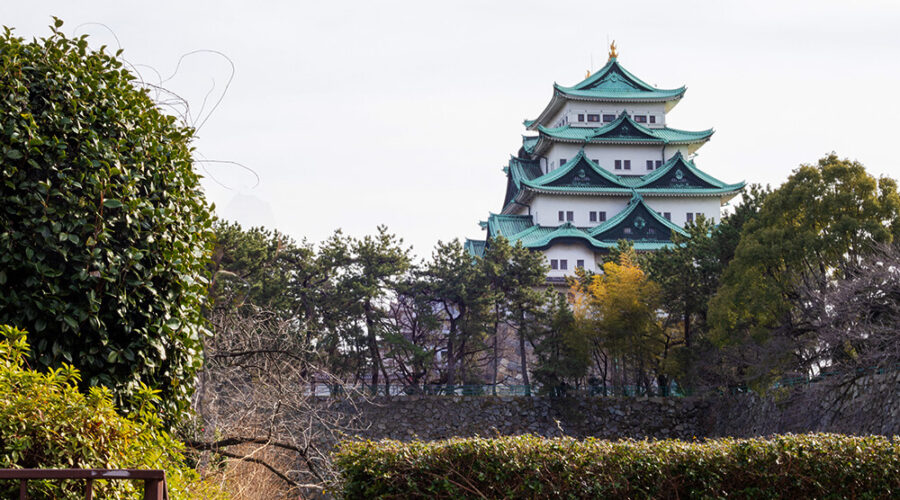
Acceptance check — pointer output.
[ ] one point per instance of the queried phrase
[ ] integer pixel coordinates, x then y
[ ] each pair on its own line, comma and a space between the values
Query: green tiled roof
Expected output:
522, 228
542, 237
508, 225
681, 175
474, 247
636, 208
580, 175
611, 83
645, 227
528, 143
614, 83
625, 130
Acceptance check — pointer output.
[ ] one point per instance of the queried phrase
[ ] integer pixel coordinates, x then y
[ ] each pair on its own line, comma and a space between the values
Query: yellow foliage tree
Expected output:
622, 308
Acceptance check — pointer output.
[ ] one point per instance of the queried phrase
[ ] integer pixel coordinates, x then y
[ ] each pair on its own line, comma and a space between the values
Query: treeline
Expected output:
373, 314
784, 285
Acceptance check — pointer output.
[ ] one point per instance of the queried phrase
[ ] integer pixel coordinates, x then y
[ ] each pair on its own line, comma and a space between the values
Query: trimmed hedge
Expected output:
789, 466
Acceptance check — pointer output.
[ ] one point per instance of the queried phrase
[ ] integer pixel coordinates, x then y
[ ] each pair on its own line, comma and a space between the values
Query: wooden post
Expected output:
153, 489
89, 490
23, 489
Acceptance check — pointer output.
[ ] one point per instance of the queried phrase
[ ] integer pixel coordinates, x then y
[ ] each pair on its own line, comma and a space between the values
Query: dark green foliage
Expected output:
689, 273
562, 349
824, 217
104, 231
454, 285
792, 466
807, 233
512, 275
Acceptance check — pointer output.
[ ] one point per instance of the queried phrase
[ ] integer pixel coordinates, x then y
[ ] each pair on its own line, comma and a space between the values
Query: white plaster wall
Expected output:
606, 154
545, 208
710, 207
569, 113
571, 252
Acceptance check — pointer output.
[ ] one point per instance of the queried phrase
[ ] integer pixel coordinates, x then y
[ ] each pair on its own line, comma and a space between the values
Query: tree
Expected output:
856, 317
253, 267
825, 218
689, 272
365, 288
456, 287
622, 307
260, 419
104, 231
562, 348
513, 275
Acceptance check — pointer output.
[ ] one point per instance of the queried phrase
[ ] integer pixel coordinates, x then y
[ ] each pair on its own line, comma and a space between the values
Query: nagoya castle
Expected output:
604, 166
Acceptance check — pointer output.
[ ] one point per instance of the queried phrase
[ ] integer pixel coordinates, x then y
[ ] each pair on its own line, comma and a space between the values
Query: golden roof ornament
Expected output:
612, 50
588, 75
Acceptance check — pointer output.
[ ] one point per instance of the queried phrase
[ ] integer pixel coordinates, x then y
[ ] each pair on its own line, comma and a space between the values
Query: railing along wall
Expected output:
154, 480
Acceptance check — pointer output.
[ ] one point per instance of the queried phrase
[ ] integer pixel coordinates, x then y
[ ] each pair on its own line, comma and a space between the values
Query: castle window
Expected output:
658, 163
601, 216
580, 117
609, 118
563, 264
562, 216
593, 118
562, 161
593, 216
640, 118
652, 119
627, 164
618, 164
554, 264
626, 230
580, 263
690, 217
667, 216
649, 164
570, 216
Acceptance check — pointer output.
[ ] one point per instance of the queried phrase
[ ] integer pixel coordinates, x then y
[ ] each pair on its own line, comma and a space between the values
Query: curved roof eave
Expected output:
632, 206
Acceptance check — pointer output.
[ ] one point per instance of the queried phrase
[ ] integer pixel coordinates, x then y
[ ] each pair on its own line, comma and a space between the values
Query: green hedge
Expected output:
790, 466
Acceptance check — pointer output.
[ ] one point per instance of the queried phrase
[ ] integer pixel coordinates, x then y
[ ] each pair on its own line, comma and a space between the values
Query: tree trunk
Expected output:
687, 329
496, 352
523, 358
372, 342
451, 354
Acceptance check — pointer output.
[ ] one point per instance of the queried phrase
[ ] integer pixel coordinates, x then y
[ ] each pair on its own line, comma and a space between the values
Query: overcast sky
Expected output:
355, 114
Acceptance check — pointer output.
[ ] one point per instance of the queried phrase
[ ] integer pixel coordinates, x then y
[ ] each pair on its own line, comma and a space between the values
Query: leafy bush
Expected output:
104, 231
45, 422
790, 466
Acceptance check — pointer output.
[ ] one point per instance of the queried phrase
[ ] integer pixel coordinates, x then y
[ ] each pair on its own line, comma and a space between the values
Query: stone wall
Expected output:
869, 406
439, 417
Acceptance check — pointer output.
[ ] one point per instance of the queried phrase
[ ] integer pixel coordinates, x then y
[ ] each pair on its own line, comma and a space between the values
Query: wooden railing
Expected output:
154, 480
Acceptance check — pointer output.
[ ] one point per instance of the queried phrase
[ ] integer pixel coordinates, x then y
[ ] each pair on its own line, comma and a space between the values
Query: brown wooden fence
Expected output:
154, 480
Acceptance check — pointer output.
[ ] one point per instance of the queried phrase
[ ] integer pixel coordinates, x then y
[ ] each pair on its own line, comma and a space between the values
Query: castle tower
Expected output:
604, 166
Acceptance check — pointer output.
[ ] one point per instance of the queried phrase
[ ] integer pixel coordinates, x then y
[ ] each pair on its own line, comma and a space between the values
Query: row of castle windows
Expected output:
596, 117
622, 164
569, 216
600, 216
563, 264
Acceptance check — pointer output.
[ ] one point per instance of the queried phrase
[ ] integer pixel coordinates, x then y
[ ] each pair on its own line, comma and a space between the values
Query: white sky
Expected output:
355, 114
